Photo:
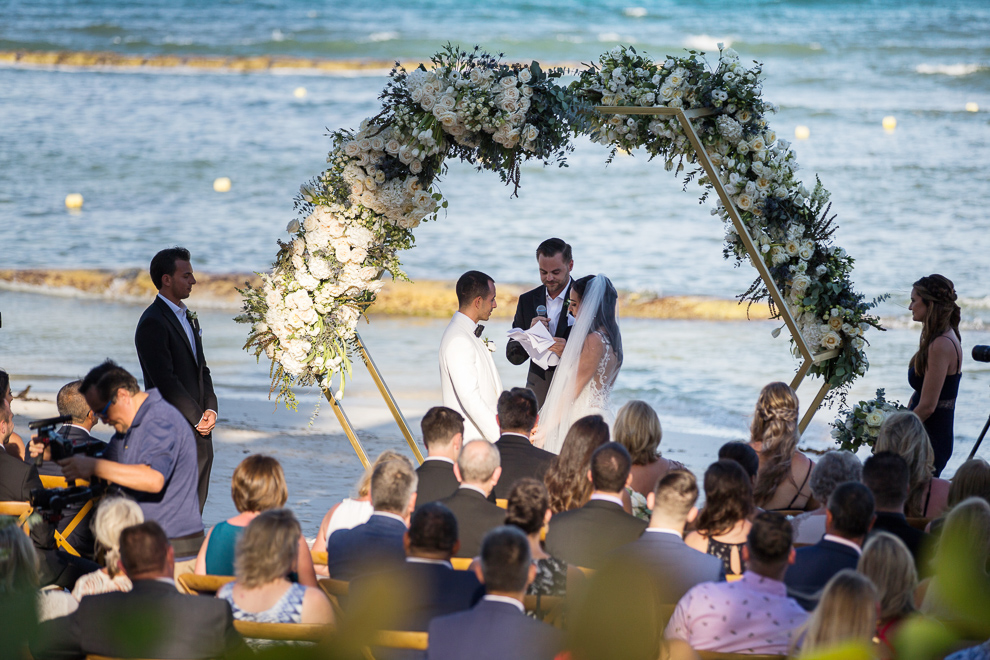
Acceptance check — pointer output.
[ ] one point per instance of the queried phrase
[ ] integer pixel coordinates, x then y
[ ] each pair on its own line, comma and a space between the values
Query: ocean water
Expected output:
144, 146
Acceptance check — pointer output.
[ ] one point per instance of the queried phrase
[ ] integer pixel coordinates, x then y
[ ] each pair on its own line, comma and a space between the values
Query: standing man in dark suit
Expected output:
585, 536
170, 347
478, 470
672, 565
153, 620
443, 435
848, 519
519, 459
497, 627
546, 304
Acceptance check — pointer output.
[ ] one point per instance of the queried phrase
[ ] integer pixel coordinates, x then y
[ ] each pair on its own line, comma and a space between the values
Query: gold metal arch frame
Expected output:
684, 117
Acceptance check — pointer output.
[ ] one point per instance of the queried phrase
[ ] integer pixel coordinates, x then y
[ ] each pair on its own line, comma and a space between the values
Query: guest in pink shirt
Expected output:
752, 615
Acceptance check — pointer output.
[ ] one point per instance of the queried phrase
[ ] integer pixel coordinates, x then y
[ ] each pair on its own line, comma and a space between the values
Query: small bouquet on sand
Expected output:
860, 426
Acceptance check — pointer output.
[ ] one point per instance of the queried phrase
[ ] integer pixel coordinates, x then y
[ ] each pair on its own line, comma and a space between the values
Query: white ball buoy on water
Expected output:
802, 132
300, 92
221, 184
73, 201
889, 123
972, 107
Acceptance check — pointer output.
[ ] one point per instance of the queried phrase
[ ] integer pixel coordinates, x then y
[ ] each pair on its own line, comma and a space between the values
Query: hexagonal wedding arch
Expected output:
359, 213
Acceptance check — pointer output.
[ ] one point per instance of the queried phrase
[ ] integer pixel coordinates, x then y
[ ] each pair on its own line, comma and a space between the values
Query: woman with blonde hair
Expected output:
889, 565
782, 481
972, 479
266, 556
905, 435
847, 612
967, 528
936, 369
258, 485
113, 515
637, 428
567, 477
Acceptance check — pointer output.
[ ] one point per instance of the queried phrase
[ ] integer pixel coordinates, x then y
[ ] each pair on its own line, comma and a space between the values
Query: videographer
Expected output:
152, 456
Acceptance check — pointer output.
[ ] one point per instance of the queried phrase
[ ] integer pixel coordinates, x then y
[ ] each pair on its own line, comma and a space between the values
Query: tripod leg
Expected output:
980, 439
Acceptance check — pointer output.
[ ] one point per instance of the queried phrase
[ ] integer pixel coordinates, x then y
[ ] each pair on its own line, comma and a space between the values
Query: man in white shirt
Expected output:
469, 382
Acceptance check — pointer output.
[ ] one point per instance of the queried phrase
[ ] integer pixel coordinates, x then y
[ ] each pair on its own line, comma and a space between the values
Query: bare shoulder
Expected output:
594, 343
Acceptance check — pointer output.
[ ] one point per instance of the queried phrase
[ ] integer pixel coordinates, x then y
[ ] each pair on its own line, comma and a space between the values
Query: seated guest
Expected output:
426, 586
258, 485
529, 510
518, 457
723, 525
478, 470
171, 625
750, 615
972, 479
904, 434
497, 627
671, 564
832, 469
113, 515
584, 537
964, 548
847, 521
886, 475
443, 435
377, 544
351, 512
741, 453
267, 552
637, 428
888, 564
847, 613
12, 444
565, 478
22, 605
782, 482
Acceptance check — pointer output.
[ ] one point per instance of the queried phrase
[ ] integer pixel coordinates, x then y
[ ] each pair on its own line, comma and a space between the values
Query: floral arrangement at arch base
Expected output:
381, 183
860, 426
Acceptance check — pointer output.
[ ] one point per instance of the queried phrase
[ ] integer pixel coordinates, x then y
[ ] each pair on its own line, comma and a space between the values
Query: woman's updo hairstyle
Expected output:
941, 313
775, 427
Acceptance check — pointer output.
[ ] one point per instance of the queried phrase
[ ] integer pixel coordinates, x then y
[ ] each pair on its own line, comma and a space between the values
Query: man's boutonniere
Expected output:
192, 316
489, 344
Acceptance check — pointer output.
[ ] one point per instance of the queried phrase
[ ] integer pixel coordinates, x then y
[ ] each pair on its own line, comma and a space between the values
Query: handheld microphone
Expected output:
541, 310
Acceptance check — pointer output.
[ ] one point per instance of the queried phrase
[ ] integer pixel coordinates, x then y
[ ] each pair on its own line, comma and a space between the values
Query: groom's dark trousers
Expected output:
538, 379
183, 379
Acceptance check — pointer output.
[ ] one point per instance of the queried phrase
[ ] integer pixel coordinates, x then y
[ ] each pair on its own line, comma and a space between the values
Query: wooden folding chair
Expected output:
461, 563
397, 639
20, 510
919, 523
289, 632
502, 504
202, 585
319, 557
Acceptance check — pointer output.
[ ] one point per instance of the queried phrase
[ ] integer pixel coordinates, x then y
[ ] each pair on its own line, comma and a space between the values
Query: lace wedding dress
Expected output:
565, 404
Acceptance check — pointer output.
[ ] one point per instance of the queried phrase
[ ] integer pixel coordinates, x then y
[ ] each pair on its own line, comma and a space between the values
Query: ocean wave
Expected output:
949, 69
635, 12
615, 38
706, 43
375, 37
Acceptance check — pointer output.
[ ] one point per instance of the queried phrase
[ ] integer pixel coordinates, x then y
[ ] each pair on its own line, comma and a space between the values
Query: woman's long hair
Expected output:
904, 434
567, 477
847, 612
942, 313
775, 426
728, 498
605, 319
889, 565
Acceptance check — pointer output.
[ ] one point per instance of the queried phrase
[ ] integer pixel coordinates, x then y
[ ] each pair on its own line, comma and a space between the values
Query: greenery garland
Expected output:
360, 212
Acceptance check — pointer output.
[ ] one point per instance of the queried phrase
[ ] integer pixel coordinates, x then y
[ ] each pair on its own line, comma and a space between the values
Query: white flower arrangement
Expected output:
861, 424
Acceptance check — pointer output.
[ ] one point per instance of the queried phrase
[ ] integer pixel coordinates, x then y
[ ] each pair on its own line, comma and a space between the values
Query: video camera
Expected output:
50, 502
63, 447
981, 353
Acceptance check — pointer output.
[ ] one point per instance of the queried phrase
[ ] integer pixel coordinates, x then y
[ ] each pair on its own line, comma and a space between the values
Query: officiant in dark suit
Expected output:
170, 347
545, 304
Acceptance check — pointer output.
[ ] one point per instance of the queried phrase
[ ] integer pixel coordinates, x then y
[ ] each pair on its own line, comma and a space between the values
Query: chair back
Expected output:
294, 632
319, 557
502, 503
461, 563
919, 523
401, 639
20, 510
202, 585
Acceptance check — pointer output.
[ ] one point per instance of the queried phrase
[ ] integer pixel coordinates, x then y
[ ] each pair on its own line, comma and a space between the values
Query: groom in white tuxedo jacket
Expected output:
469, 382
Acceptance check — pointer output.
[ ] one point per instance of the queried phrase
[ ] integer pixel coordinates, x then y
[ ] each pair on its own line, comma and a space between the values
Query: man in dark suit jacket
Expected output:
478, 470
585, 536
377, 544
497, 627
889, 479
555, 261
170, 348
153, 620
443, 435
519, 459
672, 566
848, 518
427, 585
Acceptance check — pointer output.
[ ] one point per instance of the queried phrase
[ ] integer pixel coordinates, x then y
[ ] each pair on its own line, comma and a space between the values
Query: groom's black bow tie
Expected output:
478, 330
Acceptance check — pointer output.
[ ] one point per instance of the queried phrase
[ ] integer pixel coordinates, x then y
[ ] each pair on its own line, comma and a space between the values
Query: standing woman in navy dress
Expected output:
937, 366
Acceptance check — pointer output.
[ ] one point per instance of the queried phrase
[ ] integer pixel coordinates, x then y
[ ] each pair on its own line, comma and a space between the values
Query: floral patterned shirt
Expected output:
751, 615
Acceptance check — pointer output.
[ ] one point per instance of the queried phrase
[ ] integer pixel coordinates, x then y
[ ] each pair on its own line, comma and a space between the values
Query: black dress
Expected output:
939, 423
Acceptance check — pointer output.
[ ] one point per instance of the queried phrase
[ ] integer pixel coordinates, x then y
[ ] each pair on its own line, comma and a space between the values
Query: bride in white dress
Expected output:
582, 383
